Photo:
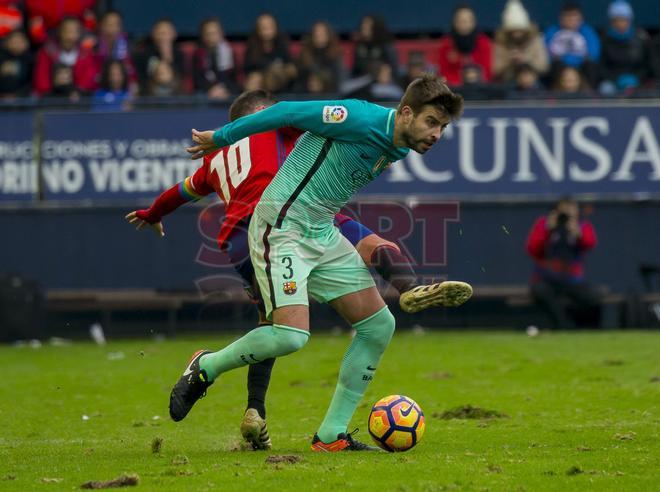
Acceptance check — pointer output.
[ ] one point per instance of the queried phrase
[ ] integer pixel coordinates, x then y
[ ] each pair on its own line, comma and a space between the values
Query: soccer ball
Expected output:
396, 423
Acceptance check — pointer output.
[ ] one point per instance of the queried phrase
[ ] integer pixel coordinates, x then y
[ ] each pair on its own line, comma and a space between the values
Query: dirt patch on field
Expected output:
654, 379
180, 460
438, 375
613, 362
51, 480
122, 481
289, 459
470, 412
574, 470
156, 445
240, 446
625, 436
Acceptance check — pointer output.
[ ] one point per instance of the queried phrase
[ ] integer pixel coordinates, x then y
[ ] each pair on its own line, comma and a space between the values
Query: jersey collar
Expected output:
390, 123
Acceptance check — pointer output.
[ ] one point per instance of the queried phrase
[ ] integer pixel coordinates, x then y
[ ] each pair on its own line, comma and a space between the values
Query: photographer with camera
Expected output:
557, 243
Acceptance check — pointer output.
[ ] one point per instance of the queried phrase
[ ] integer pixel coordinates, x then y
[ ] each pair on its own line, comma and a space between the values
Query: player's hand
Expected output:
139, 223
204, 144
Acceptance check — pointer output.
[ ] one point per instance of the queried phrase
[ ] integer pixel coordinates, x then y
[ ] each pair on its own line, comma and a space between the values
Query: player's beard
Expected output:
421, 146
416, 144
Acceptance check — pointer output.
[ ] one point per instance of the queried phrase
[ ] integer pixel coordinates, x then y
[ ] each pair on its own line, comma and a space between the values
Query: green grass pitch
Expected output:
582, 413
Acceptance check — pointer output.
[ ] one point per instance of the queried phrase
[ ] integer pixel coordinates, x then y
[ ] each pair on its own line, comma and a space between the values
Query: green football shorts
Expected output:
292, 262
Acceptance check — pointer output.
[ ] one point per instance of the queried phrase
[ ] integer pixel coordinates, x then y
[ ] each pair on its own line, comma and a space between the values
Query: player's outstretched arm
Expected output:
345, 120
139, 219
165, 204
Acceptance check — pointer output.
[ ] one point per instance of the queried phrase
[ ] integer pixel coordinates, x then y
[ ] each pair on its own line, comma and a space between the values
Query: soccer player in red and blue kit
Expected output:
238, 174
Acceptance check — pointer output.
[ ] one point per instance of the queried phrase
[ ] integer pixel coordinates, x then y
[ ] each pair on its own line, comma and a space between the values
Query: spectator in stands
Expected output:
573, 43
214, 69
113, 94
66, 50
557, 243
320, 59
475, 88
374, 45
386, 87
62, 85
319, 82
45, 16
527, 83
570, 83
112, 44
164, 81
15, 65
517, 42
267, 51
254, 81
11, 17
625, 59
465, 45
417, 67
159, 47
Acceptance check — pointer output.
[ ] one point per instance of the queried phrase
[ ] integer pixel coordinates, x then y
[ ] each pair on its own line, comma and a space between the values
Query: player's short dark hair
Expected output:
247, 102
431, 90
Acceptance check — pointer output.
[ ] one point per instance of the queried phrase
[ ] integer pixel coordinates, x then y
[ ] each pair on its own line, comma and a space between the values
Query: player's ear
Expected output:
407, 114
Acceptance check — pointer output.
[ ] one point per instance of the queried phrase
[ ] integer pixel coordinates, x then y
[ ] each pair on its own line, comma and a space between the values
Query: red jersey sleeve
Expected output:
588, 238
199, 181
538, 236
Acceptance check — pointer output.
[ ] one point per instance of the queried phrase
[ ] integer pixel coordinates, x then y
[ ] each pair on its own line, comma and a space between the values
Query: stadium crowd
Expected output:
69, 50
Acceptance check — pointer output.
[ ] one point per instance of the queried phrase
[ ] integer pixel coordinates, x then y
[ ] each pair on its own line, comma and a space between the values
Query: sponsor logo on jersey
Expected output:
334, 114
289, 288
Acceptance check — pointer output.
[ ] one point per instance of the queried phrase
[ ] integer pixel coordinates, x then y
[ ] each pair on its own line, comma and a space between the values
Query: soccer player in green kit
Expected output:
296, 250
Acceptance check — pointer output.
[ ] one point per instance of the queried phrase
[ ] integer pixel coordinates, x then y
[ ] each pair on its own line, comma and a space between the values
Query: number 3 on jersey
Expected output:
287, 262
232, 166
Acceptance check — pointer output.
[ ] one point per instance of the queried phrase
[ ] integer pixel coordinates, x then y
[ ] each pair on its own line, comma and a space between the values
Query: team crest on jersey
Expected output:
334, 114
290, 288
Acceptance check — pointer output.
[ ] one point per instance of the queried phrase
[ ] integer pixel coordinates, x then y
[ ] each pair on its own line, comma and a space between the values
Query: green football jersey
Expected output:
347, 144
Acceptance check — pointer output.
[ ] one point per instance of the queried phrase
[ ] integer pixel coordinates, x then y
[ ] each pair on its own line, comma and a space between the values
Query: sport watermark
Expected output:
419, 228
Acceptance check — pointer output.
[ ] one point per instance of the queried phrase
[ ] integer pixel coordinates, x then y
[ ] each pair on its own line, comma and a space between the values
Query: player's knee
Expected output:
379, 329
289, 340
370, 244
388, 325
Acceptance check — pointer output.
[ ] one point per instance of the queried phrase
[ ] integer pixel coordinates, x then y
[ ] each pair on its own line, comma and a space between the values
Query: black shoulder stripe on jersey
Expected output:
268, 267
315, 167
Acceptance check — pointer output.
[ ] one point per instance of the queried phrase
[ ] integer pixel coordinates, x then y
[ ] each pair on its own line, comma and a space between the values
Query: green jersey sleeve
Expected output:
349, 120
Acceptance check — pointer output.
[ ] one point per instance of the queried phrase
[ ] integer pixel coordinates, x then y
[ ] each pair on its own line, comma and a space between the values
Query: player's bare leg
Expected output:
395, 267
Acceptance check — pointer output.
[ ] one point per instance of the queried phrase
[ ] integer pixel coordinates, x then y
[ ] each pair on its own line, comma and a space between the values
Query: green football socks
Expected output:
259, 344
357, 368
